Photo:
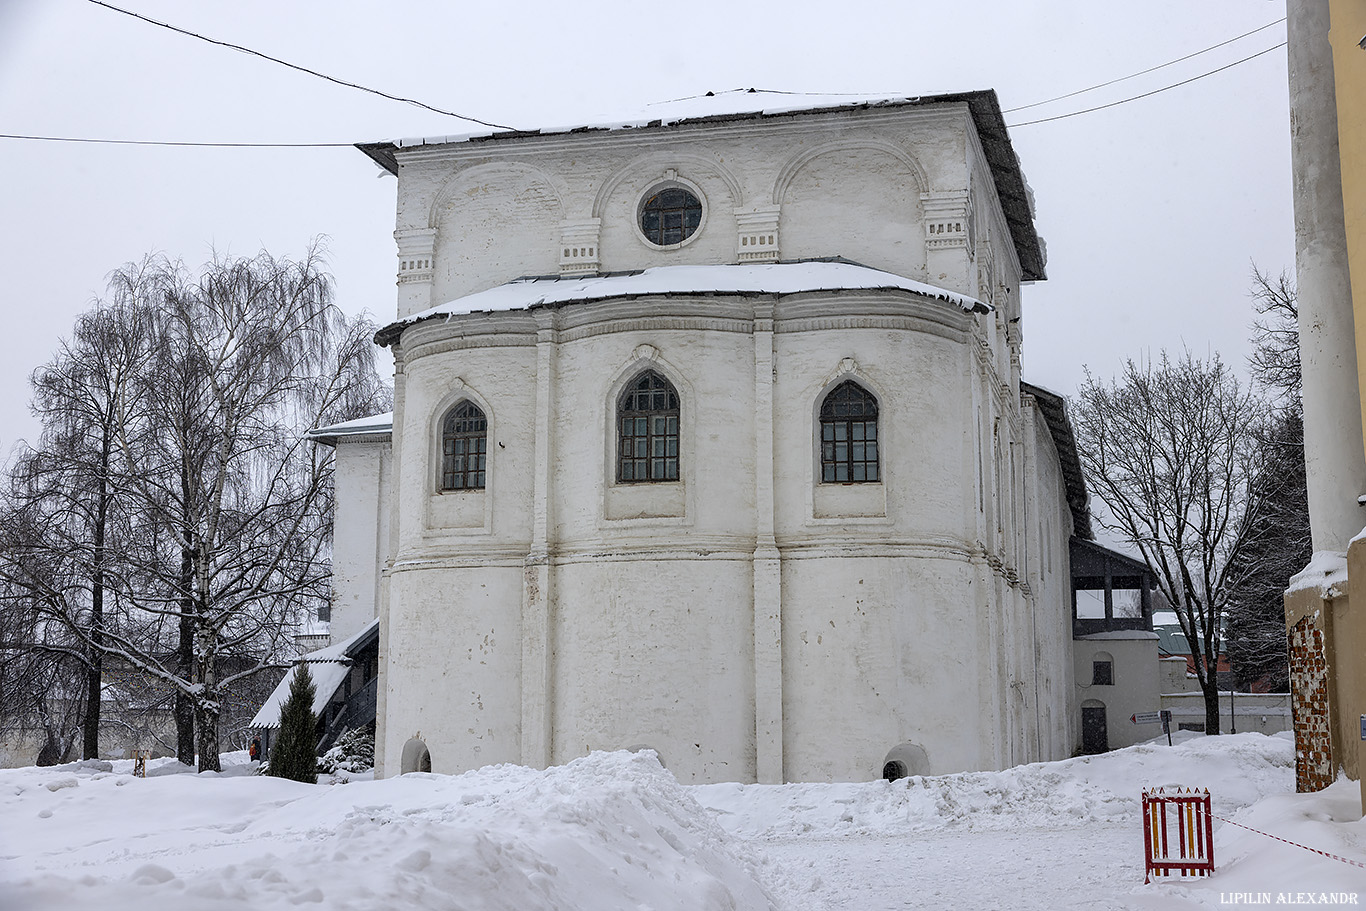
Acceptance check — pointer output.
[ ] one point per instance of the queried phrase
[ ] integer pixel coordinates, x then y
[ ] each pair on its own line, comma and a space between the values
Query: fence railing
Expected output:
1178, 833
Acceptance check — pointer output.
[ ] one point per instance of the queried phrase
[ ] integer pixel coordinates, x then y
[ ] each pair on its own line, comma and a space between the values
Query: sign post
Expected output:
1164, 716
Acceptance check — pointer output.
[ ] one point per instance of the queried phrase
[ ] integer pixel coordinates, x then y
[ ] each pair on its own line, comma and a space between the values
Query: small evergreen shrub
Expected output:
295, 753
353, 752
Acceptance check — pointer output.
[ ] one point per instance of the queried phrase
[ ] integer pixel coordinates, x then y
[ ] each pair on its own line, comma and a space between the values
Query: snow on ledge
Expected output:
759, 278
730, 103
1326, 573
375, 423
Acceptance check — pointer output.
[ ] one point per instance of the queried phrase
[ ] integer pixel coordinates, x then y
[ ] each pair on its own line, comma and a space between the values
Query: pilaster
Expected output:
768, 638
416, 267
538, 576
949, 240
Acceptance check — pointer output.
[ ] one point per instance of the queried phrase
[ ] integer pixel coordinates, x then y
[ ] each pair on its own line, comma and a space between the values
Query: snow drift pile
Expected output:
609, 831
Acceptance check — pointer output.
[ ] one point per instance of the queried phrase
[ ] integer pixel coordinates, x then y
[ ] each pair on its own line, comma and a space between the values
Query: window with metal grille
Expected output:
670, 216
464, 448
647, 430
849, 435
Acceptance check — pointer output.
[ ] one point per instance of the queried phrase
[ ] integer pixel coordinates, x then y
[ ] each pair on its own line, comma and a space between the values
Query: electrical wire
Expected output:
1151, 69
198, 145
1101, 107
302, 69
327, 145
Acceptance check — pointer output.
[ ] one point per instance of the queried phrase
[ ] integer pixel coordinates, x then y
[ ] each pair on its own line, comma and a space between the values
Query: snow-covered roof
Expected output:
711, 280
378, 424
328, 667
756, 104
1118, 635
732, 103
327, 676
341, 650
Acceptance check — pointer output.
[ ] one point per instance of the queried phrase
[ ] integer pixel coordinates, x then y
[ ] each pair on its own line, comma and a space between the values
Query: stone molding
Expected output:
580, 250
757, 238
416, 255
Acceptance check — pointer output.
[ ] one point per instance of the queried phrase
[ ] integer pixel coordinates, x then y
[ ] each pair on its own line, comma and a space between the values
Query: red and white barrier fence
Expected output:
1178, 833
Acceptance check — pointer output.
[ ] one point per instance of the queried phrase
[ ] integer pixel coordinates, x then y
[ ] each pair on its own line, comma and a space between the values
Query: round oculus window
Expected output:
670, 216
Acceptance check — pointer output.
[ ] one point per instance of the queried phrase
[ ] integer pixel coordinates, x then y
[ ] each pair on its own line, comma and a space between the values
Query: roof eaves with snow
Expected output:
982, 104
731, 280
373, 427
328, 668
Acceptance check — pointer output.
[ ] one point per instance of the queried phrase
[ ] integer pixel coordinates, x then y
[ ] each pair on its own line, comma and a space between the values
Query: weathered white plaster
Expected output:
746, 621
1334, 463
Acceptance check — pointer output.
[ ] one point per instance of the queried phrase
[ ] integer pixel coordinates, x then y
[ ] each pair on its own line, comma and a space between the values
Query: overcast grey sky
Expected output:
1152, 210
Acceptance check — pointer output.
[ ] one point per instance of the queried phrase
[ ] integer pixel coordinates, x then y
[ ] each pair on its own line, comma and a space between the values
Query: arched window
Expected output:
849, 435
647, 430
464, 447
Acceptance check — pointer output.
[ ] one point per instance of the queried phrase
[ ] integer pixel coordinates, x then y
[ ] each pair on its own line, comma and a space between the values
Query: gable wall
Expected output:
866, 185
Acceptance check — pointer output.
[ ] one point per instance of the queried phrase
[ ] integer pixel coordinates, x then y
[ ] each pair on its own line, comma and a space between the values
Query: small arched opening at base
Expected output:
416, 757
641, 747
904, 760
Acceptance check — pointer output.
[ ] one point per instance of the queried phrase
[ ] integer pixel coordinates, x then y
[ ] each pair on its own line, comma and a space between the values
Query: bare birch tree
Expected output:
227, 505
63, 490
1171, 449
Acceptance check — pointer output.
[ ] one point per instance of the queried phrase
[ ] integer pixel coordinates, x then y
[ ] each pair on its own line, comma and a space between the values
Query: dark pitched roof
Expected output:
1054, 410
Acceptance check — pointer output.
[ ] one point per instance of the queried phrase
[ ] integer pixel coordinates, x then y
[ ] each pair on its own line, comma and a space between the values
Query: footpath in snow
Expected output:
615, 832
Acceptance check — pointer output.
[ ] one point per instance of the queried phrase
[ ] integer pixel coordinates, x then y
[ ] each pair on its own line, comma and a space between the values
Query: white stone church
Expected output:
709, 438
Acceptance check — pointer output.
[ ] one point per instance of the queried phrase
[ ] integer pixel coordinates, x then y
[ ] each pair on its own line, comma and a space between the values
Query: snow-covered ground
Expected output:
615, 832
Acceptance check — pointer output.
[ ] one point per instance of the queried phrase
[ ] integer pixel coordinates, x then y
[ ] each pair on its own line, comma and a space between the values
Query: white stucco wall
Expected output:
747, 621
1135, 687
360, 541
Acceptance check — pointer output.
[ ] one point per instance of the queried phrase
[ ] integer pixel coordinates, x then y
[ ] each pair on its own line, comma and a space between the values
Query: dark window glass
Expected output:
849, 435
670, 216
647, 430
464, 448
1102, 673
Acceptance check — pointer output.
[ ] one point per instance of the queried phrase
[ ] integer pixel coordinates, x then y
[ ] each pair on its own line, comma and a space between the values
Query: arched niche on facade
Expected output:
494, 222
415, 758
904, 760
860, 195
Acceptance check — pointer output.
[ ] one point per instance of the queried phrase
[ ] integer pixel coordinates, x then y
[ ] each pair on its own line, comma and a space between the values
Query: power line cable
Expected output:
326, 145
199, 145
1151, 69
302, 69
1164, 88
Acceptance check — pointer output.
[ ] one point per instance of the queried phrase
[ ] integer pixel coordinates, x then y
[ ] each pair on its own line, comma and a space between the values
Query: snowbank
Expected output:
616, 832
609, 831
1238, 769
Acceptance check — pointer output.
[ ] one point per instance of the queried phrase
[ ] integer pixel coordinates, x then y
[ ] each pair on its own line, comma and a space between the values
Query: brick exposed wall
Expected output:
1309, 705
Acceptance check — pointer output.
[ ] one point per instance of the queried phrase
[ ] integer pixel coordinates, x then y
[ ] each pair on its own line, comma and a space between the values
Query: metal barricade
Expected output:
1188, 813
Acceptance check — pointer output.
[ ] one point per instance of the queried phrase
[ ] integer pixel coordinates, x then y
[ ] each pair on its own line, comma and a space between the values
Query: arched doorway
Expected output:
1094, 738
